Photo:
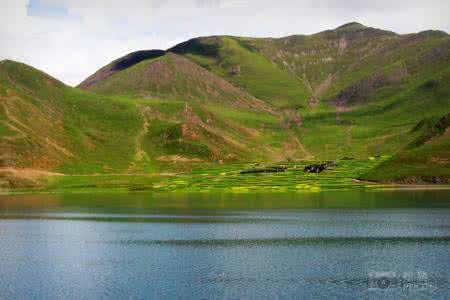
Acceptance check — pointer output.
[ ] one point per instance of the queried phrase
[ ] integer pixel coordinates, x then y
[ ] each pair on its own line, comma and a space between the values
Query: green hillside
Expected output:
49, 126
353, 62
173, 76
427, 160
351, 92
232, 59
46, 125
429, 163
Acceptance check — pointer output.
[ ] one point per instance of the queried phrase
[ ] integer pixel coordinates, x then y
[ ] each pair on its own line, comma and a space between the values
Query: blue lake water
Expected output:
139, 246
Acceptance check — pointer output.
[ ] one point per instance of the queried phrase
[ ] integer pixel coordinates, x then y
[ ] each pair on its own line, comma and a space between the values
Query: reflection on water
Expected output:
339, 245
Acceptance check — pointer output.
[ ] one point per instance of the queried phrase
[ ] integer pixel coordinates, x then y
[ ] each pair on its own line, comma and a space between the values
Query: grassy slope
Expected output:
46, 125
330, 61
317, 58
50, 126
429, 163
389, 83
380, 122
228, 120
172, 77
426, 158
373, 68
379, 128
257, 74
219, 109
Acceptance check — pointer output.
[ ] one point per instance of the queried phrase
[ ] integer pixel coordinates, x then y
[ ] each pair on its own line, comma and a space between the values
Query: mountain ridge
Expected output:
210, 51
353, 91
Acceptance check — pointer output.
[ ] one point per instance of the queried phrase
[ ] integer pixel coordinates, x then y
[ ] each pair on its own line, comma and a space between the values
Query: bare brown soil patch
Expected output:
15, 178
177, 158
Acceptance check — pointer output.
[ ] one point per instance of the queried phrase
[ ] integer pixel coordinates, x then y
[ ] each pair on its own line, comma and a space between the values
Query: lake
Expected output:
352, 244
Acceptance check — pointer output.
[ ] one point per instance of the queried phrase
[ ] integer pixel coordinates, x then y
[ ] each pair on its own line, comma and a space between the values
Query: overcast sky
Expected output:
71, 39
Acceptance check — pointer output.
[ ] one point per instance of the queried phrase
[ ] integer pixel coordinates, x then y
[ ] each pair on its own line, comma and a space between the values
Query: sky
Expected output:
71, 39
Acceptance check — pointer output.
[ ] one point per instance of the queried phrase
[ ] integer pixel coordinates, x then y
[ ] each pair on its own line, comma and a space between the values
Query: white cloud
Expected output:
92, 33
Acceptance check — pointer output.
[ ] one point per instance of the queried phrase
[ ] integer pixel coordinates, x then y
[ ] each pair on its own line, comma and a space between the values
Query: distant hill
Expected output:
353, 91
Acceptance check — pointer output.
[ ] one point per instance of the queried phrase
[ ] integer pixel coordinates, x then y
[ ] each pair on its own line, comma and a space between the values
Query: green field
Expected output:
207, 178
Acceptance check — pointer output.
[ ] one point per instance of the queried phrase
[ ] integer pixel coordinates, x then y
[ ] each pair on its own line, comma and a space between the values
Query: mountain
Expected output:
48, 126
353, 91
341, 67
169, 76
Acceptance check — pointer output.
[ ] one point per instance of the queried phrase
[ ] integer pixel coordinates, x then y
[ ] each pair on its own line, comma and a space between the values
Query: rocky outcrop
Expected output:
430, 131
319, 168
360, 91
234, 70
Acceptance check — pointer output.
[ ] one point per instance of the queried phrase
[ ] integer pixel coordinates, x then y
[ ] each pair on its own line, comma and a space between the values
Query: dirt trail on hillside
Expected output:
20, 133
391, 135
304, 150
293, 143
349, 135
317, 92
140, 153
12, 177
28, 173
23, 131
193, 118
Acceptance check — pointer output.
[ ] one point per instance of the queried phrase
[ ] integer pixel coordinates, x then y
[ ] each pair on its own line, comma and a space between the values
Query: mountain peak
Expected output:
136, 57
8, 61
21, 72
351, 26
120, 64
433, 33
357, 30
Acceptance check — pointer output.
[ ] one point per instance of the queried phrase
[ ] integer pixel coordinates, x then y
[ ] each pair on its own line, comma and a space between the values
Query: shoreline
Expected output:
374, 187
405, 186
